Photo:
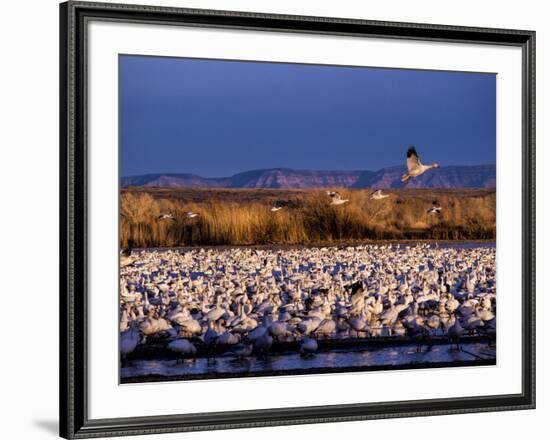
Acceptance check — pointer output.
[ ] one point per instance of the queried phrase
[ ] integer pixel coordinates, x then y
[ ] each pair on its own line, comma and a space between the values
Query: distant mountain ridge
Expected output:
475, 176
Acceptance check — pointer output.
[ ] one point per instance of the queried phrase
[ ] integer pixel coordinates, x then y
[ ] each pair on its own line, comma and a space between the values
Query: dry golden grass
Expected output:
243, 217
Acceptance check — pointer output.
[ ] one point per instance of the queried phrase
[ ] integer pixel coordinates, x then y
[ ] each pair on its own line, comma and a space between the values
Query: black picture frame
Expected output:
74, 420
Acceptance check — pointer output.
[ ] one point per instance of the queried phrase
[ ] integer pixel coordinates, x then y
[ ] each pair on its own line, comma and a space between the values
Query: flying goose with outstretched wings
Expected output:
414, 167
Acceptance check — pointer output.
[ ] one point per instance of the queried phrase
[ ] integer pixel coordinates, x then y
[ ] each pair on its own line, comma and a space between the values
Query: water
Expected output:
380, 357
467, 245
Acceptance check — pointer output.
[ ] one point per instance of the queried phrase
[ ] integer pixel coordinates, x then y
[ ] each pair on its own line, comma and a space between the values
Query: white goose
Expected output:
242, 350
128, 341
336, 198
126, 258
326, 328
263, 343
124, 320
228, 338
190, 327
377, 195
166, 217
308, 347
414, 167
455, 333
182, 347
434, 209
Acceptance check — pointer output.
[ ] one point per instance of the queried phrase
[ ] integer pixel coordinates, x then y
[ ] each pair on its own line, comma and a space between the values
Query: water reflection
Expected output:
337, 359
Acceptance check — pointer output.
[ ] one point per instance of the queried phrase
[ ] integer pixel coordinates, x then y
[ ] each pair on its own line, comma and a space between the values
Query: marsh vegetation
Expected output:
244, 216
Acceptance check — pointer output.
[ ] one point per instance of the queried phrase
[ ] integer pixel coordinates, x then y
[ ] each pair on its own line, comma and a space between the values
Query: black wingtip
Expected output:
411, 151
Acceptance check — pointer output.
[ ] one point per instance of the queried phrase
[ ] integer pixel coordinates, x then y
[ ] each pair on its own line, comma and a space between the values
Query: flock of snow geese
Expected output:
244, 300
415, 168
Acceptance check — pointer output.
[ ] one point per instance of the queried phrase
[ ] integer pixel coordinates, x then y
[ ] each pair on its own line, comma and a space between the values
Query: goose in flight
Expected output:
414, 167
377, 195
166, 217
336, 198
276, 208
191, 214
434, 209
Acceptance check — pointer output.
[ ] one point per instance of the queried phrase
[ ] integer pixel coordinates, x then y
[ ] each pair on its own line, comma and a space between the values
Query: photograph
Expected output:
289, 218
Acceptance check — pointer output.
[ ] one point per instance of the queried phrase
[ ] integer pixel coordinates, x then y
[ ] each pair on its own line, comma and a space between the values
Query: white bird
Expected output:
377, 195
191, 214
123, 321
358, 323
455, 333
210, 336
190, 327
414, 167
182, 347
242, 350
484, 315
452, 303
128, 341
153, 326
336, 198
280, 329
263, 343
228, 338
166, 217
126, 258
215, 314
276, 208
309, 325
327, 327
308, 347
256, 333
434, 209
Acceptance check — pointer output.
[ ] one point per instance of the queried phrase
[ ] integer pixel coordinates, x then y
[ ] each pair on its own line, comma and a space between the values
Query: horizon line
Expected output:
292, 169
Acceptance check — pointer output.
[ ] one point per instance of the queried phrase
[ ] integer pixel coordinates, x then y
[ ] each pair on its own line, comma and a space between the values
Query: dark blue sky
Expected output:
217, 118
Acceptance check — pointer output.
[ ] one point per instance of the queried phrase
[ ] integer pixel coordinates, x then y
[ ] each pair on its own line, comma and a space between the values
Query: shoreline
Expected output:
345, 244
157, 350
306, 371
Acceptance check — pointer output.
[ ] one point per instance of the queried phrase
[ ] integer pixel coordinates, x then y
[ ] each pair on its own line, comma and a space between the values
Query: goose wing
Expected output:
413, 161
335, 196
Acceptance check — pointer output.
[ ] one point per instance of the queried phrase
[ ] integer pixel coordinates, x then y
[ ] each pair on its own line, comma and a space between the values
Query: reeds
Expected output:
243, 217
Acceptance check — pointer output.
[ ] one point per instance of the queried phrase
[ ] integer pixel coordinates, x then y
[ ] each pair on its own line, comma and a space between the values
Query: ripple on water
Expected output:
338, 359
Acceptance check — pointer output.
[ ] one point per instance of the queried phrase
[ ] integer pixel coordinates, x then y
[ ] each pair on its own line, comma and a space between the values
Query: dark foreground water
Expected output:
380, 358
